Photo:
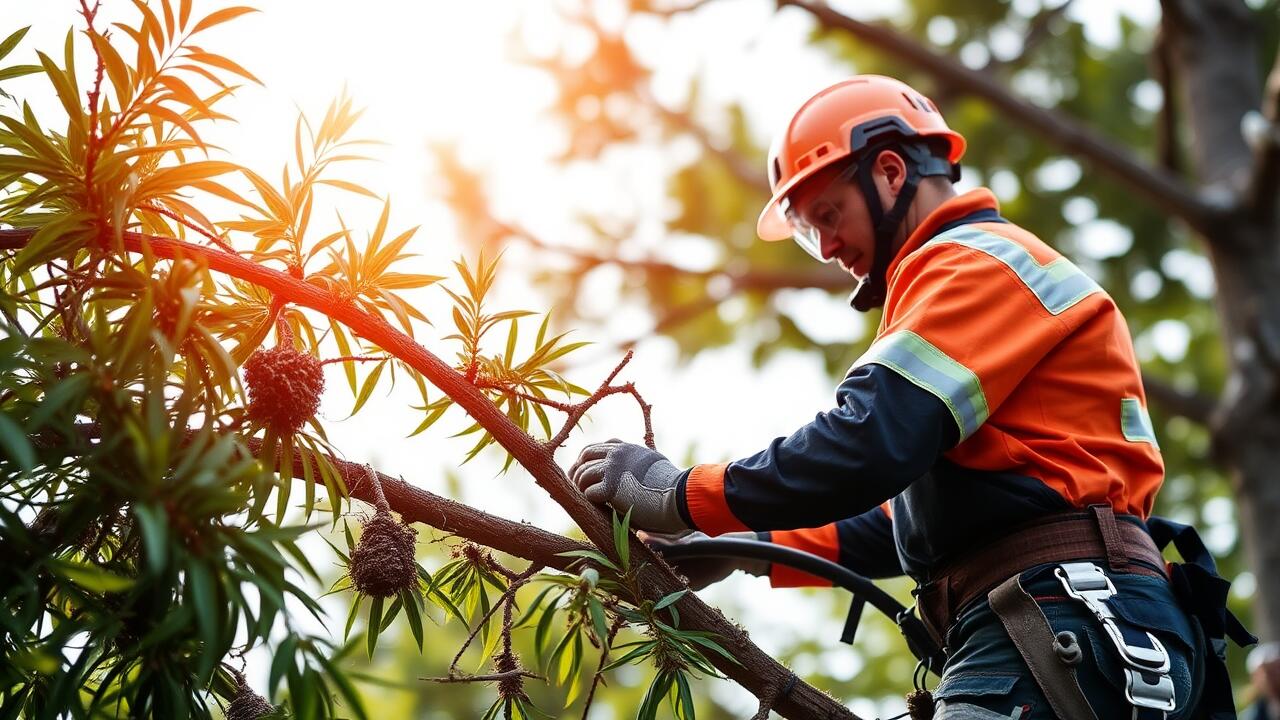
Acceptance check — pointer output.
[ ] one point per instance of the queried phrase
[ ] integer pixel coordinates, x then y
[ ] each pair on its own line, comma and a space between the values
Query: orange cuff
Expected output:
822, 541
704, 496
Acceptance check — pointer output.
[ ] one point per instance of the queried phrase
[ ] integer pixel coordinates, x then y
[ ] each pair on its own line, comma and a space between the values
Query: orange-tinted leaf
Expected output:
151, 25
219, 61
349, 187
173, 117
65, 90
117, 70
184, 93
220, 16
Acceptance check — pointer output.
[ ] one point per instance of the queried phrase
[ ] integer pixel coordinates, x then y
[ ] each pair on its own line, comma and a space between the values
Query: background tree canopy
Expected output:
1139, 143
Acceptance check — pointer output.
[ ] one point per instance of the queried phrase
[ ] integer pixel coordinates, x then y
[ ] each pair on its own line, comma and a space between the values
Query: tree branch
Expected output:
1166, 192
1194, 406
755, 669
1037, 32
1264, 183
1167, 121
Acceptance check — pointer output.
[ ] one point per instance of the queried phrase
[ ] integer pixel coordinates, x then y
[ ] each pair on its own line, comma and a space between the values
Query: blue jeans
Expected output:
985, 677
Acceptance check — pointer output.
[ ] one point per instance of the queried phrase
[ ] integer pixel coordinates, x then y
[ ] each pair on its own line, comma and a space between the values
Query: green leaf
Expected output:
90, 577
598, 622
673, 597
14, 443
411, 612
375, 624
204, 597
155, 536
9, 43
14, 71
593, 555
621, 538
366, 389
684, 705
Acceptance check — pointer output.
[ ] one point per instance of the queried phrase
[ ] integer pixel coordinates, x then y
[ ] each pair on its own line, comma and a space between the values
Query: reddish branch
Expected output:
494, 677
1164, 190
755, 670
351, 358
91, 150
189, 225
504, 602
579, 409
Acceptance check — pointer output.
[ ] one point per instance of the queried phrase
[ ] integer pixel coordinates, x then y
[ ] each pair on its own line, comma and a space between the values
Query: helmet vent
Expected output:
823, 150
919, 103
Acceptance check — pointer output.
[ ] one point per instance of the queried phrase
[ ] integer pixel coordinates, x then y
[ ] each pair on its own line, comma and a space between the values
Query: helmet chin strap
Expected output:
871, 291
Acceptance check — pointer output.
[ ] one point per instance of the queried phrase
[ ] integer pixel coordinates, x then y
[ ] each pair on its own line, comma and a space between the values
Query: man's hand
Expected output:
701, 572
631, 477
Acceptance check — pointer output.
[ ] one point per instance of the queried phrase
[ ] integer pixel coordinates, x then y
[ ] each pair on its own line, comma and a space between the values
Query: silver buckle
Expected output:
1087, 583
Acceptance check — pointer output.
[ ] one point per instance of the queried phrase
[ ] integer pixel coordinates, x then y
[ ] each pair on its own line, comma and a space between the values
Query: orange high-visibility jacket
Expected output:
1002, 385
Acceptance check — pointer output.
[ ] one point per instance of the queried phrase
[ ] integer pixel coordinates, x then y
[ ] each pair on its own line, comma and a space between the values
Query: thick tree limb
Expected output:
1264, 183
1167, 121
755, 669
416, 505
1166, 192
1212, 47
1194, 406
1038, 30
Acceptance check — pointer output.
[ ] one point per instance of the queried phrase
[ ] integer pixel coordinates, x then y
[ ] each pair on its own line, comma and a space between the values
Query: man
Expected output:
1264, 672
993, 442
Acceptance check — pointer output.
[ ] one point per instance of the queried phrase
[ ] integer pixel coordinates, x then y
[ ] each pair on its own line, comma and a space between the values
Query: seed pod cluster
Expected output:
284, 388
247, 704
382, 563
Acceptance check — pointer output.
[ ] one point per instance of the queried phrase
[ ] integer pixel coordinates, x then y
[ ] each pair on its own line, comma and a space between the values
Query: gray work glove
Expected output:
701, 572
631, 477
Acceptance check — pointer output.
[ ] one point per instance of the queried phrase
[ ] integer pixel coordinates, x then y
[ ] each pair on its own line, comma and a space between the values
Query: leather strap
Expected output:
1033, 637
1095, 535
1105, 519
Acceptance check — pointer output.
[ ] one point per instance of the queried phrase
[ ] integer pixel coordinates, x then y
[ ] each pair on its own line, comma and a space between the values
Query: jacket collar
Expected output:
956, 208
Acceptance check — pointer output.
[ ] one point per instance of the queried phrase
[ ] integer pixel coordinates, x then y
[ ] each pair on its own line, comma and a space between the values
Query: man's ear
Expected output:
890, 173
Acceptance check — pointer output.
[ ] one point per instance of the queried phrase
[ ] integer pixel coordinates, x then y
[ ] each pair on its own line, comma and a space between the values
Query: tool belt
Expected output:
1092, 535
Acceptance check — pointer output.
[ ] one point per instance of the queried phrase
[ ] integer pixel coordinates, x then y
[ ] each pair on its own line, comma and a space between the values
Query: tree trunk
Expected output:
1215, 57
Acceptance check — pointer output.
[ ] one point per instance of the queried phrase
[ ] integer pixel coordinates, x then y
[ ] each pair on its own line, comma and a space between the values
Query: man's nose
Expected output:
829, 244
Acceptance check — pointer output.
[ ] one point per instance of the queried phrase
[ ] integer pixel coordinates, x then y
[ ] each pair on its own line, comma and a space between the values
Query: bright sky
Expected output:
438, 73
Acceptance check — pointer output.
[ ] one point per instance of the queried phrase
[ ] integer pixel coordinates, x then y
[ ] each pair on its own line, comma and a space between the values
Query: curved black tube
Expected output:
918, 639
798, 559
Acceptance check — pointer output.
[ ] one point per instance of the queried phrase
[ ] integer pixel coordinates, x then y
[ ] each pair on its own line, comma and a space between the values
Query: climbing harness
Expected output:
1147, 685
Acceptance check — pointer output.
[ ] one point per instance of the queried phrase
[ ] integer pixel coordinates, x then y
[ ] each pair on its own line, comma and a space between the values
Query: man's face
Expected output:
831, 219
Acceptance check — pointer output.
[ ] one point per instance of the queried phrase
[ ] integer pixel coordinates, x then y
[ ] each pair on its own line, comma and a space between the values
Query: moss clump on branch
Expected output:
382, 563
247, 704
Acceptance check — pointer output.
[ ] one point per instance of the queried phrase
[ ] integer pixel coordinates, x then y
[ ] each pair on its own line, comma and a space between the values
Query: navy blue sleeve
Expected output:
867, 546
884, 433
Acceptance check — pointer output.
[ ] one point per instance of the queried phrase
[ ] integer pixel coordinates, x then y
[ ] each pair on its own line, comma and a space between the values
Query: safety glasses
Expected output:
821, 218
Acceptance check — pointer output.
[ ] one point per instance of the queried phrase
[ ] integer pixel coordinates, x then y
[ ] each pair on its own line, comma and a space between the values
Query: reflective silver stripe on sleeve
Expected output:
1058, 285
1135, 423
924, 365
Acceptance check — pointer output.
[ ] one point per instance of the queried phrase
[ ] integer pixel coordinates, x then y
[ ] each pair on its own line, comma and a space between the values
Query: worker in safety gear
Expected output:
993, 442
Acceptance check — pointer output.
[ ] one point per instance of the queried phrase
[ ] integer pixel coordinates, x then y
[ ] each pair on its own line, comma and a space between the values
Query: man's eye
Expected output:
828, 217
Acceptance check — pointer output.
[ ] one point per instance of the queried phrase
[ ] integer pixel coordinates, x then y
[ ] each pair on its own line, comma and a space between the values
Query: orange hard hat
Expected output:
840, 122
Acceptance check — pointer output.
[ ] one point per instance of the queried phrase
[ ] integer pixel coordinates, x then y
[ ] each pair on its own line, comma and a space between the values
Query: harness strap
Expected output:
1105, 517
1031, 634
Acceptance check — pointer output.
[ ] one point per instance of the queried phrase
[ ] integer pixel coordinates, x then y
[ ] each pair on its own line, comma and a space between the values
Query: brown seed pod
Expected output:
247, 704
284, 388
382, 563
512, 684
